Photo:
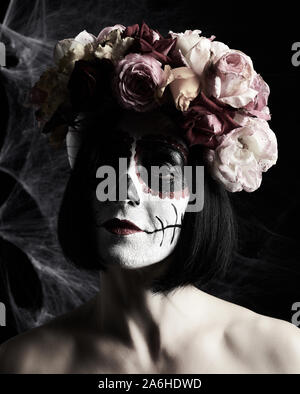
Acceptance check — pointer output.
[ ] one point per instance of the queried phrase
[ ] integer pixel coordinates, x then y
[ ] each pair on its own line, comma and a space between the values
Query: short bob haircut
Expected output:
207, 240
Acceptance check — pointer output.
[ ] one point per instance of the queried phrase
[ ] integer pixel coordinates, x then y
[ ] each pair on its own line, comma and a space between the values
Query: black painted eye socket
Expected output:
160, 166
163, 178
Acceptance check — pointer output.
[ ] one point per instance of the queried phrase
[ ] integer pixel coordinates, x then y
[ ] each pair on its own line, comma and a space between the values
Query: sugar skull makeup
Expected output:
144, 228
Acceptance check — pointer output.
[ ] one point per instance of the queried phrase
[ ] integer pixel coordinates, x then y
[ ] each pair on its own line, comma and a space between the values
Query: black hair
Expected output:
207, 240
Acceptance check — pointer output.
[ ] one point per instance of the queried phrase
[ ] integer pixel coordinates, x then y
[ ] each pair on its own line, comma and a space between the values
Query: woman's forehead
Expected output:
141, 125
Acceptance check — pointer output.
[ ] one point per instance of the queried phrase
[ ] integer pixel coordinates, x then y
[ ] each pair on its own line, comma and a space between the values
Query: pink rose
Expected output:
243, 154
258, 106
230, 78
139, 78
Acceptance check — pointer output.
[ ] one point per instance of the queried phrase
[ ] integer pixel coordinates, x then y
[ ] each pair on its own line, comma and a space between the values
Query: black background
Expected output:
266, 33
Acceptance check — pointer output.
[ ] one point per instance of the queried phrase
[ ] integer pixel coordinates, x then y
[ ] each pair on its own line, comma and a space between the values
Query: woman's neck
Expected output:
128, 311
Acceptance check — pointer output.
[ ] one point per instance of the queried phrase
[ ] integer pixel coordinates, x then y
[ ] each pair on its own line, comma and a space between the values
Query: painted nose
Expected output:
132, 193
128, 192
128, 183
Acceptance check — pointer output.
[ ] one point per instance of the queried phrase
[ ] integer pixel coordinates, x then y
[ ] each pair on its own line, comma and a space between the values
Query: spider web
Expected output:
29, 31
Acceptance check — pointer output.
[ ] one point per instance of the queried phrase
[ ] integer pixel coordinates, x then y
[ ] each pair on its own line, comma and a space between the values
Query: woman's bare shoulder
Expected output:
272, 343
282, 343
47, 348
20, 353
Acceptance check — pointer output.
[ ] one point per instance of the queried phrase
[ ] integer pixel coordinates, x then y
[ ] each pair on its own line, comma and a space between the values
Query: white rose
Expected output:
186, 41
195, 50
243, 154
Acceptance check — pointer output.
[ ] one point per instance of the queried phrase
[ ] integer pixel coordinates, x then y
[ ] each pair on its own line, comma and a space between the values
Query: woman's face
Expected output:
143, 227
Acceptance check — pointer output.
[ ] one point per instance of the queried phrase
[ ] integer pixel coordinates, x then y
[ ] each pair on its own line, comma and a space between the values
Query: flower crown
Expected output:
221, 99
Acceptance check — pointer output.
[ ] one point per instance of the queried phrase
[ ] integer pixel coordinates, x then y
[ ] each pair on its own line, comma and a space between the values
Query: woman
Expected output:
152, 251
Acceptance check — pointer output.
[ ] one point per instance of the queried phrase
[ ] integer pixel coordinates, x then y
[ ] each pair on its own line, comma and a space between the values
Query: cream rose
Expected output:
69, 50
184, 87
115, 46
52, 87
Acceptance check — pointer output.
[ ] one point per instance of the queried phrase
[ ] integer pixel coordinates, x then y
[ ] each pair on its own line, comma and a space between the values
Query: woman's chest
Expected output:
190, 358
205, 351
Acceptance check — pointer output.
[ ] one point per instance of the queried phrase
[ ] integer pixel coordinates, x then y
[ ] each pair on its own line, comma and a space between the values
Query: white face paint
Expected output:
158, 217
